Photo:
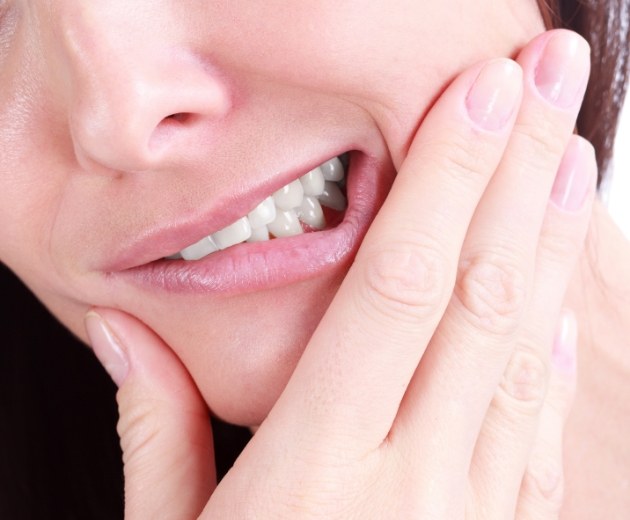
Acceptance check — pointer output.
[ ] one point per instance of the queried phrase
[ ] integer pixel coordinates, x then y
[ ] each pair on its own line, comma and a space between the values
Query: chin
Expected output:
242, 365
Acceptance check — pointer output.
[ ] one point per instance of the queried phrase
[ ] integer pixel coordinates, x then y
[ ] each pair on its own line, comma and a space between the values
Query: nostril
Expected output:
181, 117
168, 130
135, 113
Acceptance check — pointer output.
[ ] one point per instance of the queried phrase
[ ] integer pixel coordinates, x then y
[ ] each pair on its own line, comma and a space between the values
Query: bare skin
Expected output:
596, 442
57, 112
342, 441
50, 107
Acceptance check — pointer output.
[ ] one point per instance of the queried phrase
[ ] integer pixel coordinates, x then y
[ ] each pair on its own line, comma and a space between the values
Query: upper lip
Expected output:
166, 238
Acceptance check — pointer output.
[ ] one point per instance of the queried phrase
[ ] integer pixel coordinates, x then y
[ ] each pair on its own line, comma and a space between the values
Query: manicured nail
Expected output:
575, 175
494, 96
564, 354
563, 68
106, 347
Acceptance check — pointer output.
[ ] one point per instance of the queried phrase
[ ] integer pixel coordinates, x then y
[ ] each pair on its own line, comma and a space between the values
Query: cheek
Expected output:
33, 188
33, 145
392, 59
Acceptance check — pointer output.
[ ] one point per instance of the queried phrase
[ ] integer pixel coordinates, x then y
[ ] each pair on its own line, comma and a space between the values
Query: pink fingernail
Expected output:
562, 70
106, 347
564, 354
494, 96
575, 176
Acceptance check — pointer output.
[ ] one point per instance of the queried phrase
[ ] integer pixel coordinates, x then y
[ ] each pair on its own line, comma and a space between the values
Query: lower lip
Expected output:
250, 267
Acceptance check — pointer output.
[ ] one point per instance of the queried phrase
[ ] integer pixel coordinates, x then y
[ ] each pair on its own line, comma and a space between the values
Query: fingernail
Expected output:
494, 96
106, 347
564, 354
575, 175
562, 70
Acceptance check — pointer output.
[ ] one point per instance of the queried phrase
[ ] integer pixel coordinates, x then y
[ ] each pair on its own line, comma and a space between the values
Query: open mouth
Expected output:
299, 231
314, 202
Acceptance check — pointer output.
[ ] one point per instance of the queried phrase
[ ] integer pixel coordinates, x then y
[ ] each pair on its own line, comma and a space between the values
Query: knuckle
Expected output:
541, 144
560, 395
460, 156
558, 246
543, 483
492, 292
404, 282
463, 160
138, 428
524, 382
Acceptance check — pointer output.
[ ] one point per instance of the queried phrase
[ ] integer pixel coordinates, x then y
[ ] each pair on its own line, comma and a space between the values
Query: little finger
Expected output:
542, 488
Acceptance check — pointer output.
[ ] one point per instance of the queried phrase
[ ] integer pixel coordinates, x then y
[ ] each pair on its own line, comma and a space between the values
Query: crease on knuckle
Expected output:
319, 494
561, 395
543, 482
404, 282
524, 383
138, 427
464, 162
559, 247
542, 144
461, 156
492, 293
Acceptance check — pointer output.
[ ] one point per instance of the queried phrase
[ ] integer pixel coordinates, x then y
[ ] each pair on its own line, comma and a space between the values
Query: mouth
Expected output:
311, 226
313, 202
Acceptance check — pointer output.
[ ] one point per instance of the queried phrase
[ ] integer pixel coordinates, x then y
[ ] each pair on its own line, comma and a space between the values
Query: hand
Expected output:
423, 391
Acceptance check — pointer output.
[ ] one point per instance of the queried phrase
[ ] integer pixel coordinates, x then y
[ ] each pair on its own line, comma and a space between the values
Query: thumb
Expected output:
164, 425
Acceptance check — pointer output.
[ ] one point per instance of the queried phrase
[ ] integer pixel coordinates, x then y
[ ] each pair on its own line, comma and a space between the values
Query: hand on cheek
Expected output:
422, 390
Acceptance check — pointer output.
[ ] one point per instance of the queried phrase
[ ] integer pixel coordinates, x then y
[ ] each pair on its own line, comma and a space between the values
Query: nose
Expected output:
137, 103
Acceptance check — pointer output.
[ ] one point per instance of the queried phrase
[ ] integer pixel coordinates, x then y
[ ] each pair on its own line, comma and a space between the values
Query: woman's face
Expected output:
130, 130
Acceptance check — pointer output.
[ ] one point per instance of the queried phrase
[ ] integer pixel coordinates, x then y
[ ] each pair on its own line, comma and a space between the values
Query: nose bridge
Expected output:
126, 84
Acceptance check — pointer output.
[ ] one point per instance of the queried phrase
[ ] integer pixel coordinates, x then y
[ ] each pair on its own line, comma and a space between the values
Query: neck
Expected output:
596, 442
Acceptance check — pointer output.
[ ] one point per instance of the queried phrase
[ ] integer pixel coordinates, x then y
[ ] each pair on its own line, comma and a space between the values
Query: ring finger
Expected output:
505, 442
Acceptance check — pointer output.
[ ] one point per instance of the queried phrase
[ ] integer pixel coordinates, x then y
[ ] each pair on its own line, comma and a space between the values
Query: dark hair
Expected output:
59, 454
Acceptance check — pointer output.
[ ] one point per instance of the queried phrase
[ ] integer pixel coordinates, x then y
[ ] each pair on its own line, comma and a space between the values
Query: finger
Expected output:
348, 384
512, 419
459, 374
542, 490
164, 426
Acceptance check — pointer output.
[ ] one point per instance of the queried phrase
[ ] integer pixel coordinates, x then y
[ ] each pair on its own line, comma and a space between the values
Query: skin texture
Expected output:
428, 388
596, 442
89, 161
72, 83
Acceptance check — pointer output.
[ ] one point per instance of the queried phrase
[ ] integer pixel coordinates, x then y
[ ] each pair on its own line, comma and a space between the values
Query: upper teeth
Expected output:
280, 215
